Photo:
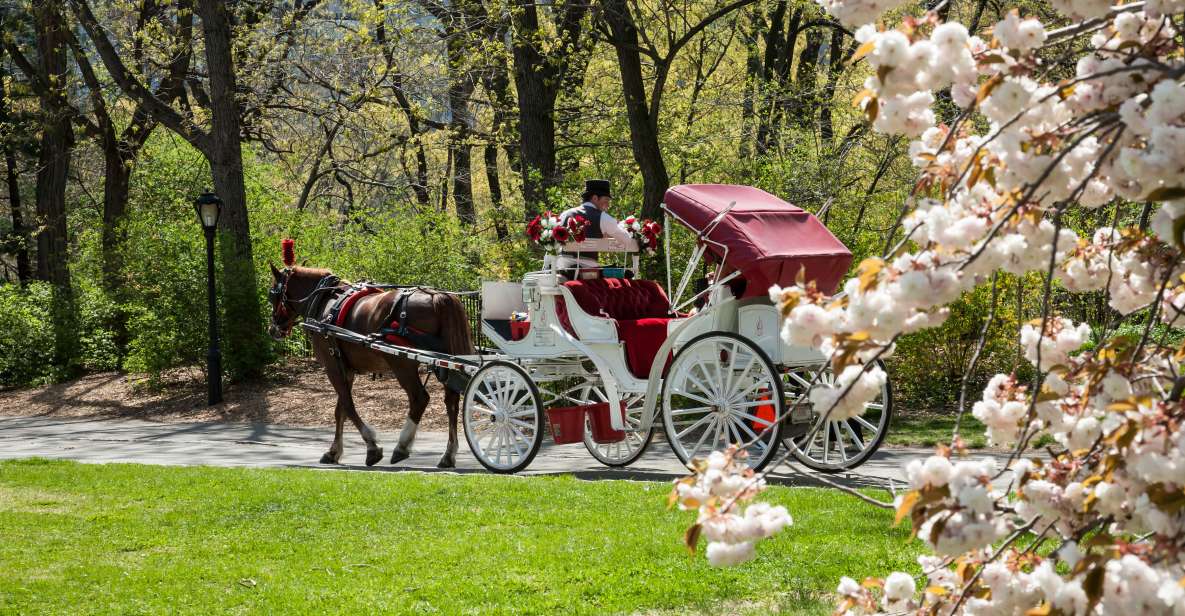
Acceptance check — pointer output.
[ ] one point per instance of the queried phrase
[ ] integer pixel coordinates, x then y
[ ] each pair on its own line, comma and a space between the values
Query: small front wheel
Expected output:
503, 417
721, 389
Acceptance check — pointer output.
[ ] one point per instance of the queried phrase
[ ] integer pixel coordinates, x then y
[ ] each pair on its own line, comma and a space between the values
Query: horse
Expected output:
311, 293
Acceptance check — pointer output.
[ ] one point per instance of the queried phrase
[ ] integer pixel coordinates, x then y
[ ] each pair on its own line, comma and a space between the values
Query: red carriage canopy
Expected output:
768, 239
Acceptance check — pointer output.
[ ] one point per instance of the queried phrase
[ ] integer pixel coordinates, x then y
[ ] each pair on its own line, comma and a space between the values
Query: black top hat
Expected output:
597, 187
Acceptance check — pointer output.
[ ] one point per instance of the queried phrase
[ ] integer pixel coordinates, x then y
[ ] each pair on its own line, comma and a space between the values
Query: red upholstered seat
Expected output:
640, 308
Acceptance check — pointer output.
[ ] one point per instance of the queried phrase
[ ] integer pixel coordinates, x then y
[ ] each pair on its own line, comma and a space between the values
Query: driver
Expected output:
595, 210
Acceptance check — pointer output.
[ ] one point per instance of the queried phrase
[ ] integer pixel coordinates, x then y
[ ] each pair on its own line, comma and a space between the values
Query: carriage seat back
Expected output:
640, 308
620, 298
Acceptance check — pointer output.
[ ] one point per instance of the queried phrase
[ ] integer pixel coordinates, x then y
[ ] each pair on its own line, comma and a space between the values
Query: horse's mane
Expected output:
310, 272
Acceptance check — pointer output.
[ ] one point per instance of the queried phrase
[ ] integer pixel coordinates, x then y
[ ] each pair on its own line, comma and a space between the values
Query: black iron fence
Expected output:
472, 302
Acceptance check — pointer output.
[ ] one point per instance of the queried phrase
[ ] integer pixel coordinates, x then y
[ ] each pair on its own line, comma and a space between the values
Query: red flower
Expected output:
560, 234
653, 228
576, 226
535, 229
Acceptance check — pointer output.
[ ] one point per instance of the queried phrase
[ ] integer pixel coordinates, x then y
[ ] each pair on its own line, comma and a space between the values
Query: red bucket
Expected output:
567, 424
601, 426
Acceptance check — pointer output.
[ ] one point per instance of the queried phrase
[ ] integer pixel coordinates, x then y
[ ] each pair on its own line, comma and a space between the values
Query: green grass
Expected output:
145, 539
930, 429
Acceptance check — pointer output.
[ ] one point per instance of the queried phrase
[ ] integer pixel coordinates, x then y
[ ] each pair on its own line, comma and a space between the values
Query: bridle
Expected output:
277, 295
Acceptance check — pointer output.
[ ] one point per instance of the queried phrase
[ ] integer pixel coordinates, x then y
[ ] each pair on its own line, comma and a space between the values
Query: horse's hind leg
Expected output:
452, 401
417, 400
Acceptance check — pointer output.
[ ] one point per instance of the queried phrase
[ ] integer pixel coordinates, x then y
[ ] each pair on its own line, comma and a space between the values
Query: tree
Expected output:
221, 144
547, 56
642, 110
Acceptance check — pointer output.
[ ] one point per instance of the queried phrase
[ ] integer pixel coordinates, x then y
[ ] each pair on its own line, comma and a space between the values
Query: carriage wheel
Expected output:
719, 390
503, 417
844, 444
637, 439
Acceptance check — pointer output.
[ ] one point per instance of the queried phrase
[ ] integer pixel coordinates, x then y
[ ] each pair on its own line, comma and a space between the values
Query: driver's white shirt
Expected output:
609, 228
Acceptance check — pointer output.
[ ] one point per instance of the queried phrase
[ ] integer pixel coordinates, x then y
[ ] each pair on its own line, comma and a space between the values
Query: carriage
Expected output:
596, 356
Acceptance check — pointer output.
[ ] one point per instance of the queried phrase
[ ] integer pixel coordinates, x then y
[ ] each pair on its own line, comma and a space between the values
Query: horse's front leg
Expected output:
343, 383
334, 455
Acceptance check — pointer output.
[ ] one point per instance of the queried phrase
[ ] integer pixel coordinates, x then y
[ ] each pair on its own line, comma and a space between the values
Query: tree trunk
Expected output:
834, 68
490, 156
57, 141
752, 87
247, 350
17, 240
643, 128
536, 117
460, 88
802, 105
117, 171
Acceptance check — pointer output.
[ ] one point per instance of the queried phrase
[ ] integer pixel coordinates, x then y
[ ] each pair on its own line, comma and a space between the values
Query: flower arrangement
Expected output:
645, 232
550, 232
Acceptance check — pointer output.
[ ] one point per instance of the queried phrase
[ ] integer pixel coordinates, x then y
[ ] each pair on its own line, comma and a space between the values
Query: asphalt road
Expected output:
263, 445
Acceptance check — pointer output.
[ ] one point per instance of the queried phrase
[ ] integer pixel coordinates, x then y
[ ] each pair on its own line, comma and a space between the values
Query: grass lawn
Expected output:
146, 539
926, 429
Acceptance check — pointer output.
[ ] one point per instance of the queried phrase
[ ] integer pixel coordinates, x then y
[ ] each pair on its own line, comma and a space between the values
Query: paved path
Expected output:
263, 445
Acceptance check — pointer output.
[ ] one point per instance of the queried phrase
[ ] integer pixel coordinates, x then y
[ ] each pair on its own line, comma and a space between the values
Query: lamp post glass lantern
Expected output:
208, 207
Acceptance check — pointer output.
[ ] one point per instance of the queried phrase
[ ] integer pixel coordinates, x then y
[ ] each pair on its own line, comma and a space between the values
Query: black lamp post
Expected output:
208, 207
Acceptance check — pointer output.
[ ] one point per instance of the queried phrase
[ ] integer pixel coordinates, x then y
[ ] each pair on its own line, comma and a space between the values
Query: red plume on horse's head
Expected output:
288, 248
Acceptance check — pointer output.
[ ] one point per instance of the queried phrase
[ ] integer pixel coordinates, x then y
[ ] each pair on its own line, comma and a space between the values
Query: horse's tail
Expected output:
454, 324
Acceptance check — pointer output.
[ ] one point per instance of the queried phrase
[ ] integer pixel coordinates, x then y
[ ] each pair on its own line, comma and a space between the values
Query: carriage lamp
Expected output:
208, 207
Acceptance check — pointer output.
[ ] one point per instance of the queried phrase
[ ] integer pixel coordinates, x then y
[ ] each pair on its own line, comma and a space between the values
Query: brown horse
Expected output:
303, 292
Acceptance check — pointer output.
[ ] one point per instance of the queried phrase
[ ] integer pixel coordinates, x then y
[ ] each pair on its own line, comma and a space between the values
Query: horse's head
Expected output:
284, 312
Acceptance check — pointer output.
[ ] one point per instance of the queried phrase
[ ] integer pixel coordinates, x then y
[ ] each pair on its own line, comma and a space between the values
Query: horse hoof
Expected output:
328, 459
446, 462
398, 456
373, 456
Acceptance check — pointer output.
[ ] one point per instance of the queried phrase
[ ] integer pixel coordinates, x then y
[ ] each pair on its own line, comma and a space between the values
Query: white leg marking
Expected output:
407, 436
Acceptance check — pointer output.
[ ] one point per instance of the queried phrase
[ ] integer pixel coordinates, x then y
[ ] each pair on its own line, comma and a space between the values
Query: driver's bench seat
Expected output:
640, 308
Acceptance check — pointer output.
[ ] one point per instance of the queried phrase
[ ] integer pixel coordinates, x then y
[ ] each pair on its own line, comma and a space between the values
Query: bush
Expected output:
26, 340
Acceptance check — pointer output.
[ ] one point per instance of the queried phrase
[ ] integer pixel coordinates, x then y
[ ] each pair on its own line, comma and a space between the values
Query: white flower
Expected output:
728, 554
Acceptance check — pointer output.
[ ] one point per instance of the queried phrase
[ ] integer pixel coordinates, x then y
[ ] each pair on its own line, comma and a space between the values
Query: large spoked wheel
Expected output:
721, 389
637, 436
839, 445
503, 417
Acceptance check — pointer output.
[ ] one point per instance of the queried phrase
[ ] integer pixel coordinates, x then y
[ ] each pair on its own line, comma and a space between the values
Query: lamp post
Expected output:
208, 207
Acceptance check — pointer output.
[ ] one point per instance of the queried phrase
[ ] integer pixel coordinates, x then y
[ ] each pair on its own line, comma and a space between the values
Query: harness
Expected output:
396, 330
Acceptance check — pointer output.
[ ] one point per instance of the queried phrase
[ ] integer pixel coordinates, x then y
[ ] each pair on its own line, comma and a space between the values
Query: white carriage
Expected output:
708, 359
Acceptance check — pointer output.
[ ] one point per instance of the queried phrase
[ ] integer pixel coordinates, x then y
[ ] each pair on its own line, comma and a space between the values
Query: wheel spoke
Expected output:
754, 418
702, 387
840, 446
866, 424
700, 442
855, 437
688, 411
694, 425
740, 378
